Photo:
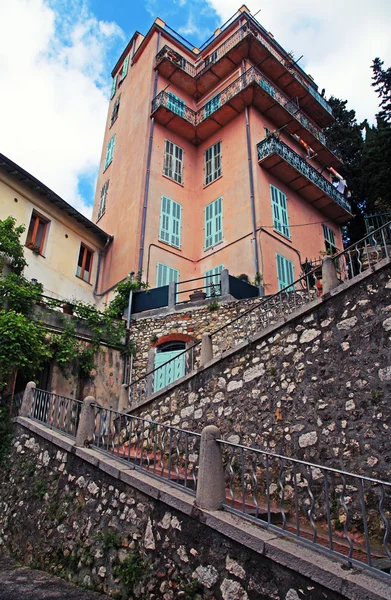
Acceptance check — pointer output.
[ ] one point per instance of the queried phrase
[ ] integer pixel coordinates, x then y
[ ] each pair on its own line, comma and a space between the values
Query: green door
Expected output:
166, 374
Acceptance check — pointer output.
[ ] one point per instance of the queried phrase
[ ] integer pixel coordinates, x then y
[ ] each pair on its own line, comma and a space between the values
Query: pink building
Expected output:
215, 158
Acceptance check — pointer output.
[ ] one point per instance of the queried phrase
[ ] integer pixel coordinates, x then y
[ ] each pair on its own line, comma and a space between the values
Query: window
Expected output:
212, 163
109, 152
113, 87
103, 197
285, 273
170, 222
213, 223
212, 105
36, 234
124, 71
164, 275
280, 212
176, 104
84, 264
114, 114
173, 161
329, 239
212, 281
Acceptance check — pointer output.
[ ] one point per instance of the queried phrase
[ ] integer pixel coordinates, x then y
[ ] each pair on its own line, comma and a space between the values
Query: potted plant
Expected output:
67, 308
197, 295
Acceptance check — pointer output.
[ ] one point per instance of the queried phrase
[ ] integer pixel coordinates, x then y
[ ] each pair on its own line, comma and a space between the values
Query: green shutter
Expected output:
110, 151
329, 238
125, 68
176, 104
212, 105
165, 274
285, 272
213, 277
170, 222
280, 211
167, 373
213, 223
212, 163
114, 87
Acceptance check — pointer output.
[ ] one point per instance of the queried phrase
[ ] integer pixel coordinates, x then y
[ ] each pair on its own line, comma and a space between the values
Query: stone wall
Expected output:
318, 387
80, 519
191, 321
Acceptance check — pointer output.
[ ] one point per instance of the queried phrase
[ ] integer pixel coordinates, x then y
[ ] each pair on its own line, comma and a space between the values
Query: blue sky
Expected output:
56, 84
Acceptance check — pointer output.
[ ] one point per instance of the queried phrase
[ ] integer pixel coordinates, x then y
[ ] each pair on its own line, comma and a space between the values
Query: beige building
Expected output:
63, 248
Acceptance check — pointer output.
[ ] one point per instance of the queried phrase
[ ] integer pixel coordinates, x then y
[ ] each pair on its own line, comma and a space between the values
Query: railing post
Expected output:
86, 427
224, 282
123, 401
172, 294
329, 275
206, 349
210, 486
28, 399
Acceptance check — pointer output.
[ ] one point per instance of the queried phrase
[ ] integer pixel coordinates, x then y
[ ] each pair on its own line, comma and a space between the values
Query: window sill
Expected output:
81, 279
173, 180
179, 248
282, 235
36, 253
208, 184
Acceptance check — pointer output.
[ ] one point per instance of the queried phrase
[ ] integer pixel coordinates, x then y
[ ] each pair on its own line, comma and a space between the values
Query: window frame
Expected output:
213, 234
330, 244
103, 196
125, 67
284, 263
109, 152
170, 224
30, 244
115, 111
169, 270
113, 86
215, 157
174, 160
81, 276
280, 213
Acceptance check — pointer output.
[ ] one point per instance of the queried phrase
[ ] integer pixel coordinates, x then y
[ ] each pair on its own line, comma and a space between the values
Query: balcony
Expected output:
285, 164
251, 88
252, 42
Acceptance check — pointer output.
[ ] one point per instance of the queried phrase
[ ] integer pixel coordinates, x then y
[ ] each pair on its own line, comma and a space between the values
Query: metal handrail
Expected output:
57, 412
252, 75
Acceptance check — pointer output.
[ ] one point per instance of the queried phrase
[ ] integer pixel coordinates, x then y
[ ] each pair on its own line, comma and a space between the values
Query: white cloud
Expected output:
338, 39
54, 80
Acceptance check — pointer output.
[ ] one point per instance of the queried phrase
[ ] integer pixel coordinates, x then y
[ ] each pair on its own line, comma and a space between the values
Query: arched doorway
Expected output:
171, 353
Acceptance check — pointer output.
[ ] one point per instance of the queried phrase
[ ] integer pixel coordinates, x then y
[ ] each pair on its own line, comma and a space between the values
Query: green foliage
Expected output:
19, 294
10, 245
212, 306
382, 84
119, 304
5, 435
40, 488
130, 571
110, 538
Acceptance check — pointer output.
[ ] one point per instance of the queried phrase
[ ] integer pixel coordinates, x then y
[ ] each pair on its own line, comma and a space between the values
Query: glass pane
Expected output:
40, 233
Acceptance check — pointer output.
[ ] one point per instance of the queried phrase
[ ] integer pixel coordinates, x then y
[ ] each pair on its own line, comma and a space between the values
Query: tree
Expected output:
382, 84
10, 246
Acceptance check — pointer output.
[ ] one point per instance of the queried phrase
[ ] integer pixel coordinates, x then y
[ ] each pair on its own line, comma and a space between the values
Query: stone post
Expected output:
171, 294
28, 399
206, 349
86, 427
210, 486
123, 402
329, 275
224, 282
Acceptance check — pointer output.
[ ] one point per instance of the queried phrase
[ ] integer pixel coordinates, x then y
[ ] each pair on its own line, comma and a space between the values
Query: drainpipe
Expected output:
251, 181
101, 253
147, 177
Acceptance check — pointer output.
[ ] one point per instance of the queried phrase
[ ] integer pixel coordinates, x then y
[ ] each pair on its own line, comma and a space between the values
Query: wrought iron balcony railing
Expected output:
248, 78
272, 145
249, 28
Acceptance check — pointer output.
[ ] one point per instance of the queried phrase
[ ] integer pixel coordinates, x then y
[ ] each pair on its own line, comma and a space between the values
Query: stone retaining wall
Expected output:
318, 388
81, 519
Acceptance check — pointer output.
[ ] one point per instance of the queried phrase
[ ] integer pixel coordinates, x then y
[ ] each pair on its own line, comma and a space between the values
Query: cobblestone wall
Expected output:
318, 388
64, 515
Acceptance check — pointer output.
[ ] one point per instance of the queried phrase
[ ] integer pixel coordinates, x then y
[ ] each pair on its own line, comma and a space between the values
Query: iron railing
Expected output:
209, 288
351, 262
273, 145
163, 450
248, 29
341, 513
55, 411
250, 77
373, 222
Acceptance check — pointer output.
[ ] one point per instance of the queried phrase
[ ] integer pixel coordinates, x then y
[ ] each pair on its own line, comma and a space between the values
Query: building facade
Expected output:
216, 158
63, 248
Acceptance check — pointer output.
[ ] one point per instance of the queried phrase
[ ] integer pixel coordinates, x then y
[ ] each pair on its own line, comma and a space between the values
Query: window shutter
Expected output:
173, 161
176, 224
125, 68
113, 87
280, 211
212, 277
110, 151
165, 274
165, 213
176, 104
218, 220
208, 226
214, 223
285, 272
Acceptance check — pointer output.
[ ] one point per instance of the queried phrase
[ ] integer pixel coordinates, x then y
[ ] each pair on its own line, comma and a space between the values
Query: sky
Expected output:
56, 57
